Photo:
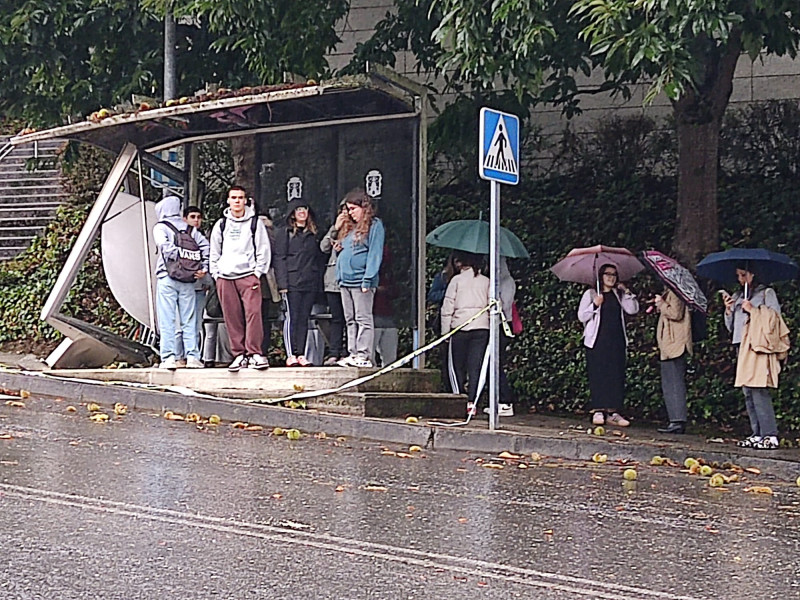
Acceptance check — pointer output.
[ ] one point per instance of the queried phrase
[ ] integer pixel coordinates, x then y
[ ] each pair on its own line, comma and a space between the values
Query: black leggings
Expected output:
296, 330
467, 349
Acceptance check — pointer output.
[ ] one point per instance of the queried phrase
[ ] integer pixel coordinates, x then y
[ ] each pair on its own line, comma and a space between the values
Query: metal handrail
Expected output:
5, 150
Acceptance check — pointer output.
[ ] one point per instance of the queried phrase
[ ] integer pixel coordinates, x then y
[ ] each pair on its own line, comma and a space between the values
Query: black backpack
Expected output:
189, 260
699, 326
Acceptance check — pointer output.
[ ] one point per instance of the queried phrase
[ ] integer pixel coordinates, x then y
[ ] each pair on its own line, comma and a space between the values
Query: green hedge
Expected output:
608, 194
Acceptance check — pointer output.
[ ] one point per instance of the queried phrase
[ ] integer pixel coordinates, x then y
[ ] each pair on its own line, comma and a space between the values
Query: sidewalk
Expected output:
562, 437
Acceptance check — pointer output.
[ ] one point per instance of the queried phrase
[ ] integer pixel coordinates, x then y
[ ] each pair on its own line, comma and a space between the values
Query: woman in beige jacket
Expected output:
674, 337
467, 294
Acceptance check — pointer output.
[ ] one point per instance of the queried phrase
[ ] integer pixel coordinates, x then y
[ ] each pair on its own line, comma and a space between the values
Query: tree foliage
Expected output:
67, 58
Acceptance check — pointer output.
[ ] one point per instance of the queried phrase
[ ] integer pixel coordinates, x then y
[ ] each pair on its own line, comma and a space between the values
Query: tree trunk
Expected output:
243, 151
698, 114
697, 227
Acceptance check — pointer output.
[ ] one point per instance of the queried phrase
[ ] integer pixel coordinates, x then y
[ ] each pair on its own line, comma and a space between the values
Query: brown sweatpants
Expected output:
240, 300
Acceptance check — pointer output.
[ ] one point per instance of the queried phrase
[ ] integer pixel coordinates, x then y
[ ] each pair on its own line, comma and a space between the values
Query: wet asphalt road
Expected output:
142, 507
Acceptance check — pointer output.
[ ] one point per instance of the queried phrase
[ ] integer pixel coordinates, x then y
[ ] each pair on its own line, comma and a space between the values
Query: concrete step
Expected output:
9, 252
24, 221
25, 232
7, 197
16, 242
27, 213
30, 180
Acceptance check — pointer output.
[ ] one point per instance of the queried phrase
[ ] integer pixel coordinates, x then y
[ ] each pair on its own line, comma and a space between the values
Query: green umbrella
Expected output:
472, 235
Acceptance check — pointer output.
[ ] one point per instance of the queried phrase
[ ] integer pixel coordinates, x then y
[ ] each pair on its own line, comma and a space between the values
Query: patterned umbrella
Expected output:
676, 277
581, 264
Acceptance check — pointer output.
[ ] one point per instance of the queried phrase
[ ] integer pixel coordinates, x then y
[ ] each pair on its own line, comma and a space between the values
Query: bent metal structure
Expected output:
328, 137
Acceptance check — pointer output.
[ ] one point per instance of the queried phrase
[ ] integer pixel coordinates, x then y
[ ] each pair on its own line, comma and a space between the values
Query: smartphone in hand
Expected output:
725, 296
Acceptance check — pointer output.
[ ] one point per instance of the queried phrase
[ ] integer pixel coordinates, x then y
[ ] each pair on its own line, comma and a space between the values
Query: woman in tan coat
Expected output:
674, 337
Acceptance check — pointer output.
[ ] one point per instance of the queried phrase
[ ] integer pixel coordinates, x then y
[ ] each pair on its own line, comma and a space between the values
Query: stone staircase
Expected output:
28, 198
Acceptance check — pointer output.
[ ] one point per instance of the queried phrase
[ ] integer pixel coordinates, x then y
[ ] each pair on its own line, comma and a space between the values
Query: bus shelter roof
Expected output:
241, 112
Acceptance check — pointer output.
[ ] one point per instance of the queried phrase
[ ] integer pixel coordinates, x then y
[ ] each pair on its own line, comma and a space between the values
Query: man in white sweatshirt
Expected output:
240, 255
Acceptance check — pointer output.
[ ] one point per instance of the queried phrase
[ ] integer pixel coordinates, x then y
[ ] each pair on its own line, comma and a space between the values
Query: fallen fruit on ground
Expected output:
99, 417
706, 471
412, 420
15, 403
92, 407
278, 431
690, 462
24, 394
71, 409
657, 461
293, 434
214, 420
798, 482
599, 430
695, 469
629, 474
414, 449
599, 458
120, 409
193, 418
716, 480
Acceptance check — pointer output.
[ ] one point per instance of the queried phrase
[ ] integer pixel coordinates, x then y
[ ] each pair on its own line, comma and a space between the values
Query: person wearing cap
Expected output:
298, 269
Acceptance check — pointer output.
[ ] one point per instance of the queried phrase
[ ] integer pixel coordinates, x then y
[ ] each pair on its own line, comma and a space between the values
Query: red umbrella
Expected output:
581, 264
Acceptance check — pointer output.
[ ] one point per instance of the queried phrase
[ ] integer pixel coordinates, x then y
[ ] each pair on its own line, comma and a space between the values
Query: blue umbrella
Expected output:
767, 266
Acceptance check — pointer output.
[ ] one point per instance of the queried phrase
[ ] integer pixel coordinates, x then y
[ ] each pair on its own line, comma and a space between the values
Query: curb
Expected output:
431, 437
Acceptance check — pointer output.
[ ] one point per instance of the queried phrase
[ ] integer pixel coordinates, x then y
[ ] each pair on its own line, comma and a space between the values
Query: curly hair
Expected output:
361, 228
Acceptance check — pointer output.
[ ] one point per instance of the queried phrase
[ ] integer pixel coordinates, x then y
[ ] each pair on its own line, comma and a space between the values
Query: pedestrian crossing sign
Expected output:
498, 149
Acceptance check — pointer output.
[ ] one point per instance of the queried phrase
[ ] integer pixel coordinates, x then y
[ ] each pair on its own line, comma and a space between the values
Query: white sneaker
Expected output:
170, 364
194, 363
347, 361
240, 362
361, 363
503, 410
258, 362
598, 418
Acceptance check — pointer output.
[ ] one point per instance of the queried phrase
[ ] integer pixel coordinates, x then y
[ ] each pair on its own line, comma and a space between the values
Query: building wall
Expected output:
769, 77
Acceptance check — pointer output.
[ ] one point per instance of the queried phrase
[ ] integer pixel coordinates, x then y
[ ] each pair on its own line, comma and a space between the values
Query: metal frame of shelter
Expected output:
377, 96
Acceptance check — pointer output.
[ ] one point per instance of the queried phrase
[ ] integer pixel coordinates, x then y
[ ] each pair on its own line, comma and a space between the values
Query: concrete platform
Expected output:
399, 393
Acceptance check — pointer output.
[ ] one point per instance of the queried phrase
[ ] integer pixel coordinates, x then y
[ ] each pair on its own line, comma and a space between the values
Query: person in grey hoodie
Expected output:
240, 255
175, 300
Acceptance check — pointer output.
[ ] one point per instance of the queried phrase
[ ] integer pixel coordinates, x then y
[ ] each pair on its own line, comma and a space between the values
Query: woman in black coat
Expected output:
298, 270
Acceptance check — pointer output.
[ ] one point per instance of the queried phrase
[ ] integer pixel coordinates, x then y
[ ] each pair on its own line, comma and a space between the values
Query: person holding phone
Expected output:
674, 338
602, 312
738, 309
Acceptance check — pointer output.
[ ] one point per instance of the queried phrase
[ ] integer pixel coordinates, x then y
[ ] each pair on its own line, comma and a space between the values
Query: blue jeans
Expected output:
175, 301
199, 307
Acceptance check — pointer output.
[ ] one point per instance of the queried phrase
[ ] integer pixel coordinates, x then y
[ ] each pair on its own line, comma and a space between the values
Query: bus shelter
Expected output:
310, 140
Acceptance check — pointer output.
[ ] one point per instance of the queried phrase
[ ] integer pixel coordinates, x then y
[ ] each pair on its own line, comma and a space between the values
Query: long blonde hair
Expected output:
361, 228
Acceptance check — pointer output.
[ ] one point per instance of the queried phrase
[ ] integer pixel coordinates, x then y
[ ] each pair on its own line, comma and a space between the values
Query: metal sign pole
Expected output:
494, 296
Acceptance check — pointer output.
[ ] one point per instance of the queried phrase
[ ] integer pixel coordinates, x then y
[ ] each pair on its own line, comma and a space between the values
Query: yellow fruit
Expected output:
92, 407
293, 434
690, 462
193, 418
706, 471
798, 482
599, 458
716, 480
412, 420
599, 430
99, 417
414, 449
278, 431
214, 420
298, 387
103, 113
629, 474
657, 461
120, 409
71, 409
